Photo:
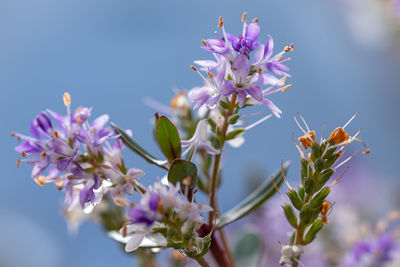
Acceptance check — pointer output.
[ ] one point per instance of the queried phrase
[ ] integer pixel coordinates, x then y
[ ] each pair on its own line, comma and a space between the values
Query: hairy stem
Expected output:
214, 179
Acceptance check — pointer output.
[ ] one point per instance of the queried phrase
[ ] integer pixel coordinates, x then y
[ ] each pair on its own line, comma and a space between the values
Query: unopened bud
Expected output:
295, 199
319, 198
313, 231
290, 215
306, 213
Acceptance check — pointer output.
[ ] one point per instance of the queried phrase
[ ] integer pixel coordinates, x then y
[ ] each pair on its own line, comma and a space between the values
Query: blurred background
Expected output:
112, 54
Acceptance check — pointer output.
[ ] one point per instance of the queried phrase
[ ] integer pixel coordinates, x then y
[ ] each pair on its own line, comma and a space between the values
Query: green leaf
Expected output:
135, 147
168, 139
255, 199
181, 169
231, 135
248, 249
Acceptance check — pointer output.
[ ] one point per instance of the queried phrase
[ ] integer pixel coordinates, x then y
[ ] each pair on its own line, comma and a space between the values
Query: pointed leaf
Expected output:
255, 199
181, 169
135, 147
248, 249
168, 139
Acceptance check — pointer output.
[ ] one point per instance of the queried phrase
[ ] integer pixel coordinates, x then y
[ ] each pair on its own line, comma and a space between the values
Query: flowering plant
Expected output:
84, 159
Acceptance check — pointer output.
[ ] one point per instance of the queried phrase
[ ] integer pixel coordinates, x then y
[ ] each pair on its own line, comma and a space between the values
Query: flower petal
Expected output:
228, 88
252, 31
255, 92
241, 97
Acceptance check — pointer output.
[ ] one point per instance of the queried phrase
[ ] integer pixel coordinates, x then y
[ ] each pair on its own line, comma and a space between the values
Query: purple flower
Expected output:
374, 252
234, 72
247, 43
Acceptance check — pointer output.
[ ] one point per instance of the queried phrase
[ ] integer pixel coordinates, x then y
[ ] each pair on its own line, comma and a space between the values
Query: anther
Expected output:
193, 67
283, 89
204, 42
56, 134
121, 202
210, 75
292, 46
286, 49
23, 154
187, 181
18, 163
43, 154
13, 133
244, 17
106, 167
41, 180
220, 22
129, 180
235, 69
255, 20
71, 177
67, 99
259, 71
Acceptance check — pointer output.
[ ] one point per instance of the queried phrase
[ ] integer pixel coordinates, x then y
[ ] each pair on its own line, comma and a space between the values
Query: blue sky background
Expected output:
111, 54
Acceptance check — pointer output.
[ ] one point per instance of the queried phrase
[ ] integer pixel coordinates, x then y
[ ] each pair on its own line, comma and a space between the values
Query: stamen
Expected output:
204, 42
259, 71
23, 154
43, 154
308, 129
279, 191
71, 177
59, 184
106, 167
284, 88
233, 68
298, 125
244, 17
67, 99
41, 180
210, 74
220, 22
337, 179
56, 134
323, 130
187, 181
121, 202
346, 160
258, 122
286, 49
193, 67
129, 180
18, 163
13, 133
284, 176
255, 20
347, 123
298, 148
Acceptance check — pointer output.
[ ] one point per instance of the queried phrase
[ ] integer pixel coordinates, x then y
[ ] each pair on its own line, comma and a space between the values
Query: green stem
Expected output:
202, 262
214, 179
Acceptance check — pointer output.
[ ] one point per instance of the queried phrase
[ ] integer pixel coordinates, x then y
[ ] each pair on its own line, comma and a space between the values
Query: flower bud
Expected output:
306, 213
320, 197
290, 215
301, 192
313, 231
309, 186
295, 199
233, 118
324, 177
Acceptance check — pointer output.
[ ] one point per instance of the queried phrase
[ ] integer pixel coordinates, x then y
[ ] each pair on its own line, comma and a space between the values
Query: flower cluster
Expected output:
162, 212
80, 157
236, 71
317, 167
